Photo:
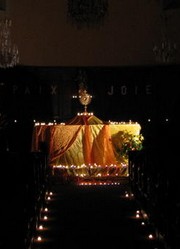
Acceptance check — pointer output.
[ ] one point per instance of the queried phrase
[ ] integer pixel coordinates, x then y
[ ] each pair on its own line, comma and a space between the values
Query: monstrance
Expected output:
85, 99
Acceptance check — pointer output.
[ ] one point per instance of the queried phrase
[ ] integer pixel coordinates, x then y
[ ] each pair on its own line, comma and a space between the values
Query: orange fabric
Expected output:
62, 139
73, 155
102, 151
84, 120
41, 134
77, 144
87, 141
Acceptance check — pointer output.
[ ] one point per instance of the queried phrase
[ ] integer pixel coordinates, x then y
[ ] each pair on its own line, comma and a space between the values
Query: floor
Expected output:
88, 216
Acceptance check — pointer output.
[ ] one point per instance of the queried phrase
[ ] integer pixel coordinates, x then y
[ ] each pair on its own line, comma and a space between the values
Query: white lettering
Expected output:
111, 92
136, 90
27, 91
123, 90
148, 89
53, 88
15, 87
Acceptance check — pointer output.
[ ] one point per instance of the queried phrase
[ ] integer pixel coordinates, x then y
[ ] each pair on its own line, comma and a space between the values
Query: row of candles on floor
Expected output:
92, 169
44, 217
98, 183
139, 214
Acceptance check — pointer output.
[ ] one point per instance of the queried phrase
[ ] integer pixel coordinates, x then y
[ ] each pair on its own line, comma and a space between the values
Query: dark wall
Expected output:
170, 4
142, 94
119, 93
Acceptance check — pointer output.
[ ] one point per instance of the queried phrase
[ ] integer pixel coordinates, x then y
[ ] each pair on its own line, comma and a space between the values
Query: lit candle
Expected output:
39, 238
41, 227
150, 236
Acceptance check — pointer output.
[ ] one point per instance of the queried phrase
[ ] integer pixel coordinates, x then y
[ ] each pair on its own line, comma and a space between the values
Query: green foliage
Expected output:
124, 142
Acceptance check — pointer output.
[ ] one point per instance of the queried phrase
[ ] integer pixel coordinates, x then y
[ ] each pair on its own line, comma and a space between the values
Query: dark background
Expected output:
147, 94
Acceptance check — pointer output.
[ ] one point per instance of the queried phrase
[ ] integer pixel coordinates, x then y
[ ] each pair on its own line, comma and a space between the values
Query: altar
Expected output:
87, 147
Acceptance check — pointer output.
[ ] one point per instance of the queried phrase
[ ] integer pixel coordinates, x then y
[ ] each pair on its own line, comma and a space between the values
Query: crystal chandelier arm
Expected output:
9, 54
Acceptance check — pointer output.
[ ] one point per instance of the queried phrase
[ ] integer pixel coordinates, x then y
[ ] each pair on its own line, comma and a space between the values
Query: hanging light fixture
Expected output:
9, 54
87, 12
166, 50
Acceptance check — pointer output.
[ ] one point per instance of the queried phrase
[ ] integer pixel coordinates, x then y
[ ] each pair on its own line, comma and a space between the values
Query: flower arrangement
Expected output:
124, 142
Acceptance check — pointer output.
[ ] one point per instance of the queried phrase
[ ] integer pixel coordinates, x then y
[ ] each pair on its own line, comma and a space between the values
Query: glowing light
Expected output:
145, 216
41, 227
150, 236
39, 238
45, 217
85, 113
106, 170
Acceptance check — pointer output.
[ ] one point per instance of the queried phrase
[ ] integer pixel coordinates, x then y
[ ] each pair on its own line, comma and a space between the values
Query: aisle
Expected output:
87, 216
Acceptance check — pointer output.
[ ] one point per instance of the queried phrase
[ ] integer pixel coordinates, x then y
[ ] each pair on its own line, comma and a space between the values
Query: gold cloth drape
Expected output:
80, 144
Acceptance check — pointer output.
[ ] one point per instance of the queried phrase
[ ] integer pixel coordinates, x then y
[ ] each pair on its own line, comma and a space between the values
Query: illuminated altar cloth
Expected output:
83, 145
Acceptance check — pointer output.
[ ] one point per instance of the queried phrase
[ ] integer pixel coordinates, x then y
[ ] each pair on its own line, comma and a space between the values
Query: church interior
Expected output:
89, 101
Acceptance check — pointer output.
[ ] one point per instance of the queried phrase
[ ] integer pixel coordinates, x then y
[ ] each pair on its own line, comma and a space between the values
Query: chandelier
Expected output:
9, 54
87, 12
166, 50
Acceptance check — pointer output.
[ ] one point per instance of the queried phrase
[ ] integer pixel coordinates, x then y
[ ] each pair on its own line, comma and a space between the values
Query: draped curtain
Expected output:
80, 144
